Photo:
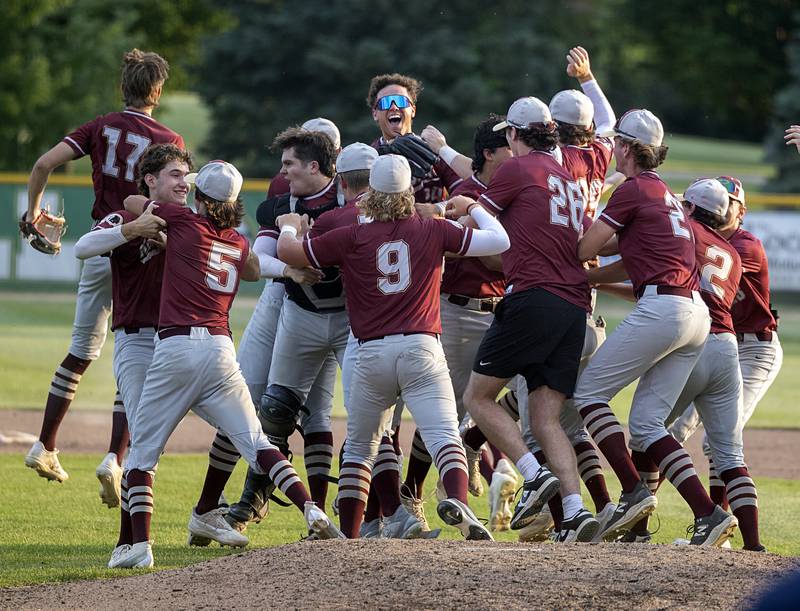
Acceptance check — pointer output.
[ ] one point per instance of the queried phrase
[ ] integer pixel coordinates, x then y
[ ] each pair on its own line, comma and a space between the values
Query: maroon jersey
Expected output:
588, 165
338, 217
202, 269
278, 186
136, 272
432, 187
541, 208
115, 142
326, 198
468, 276
655, 238
392, 271
720, 271
751, 311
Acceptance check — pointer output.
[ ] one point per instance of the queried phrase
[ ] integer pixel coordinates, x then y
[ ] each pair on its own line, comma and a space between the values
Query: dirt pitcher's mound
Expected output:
432, 574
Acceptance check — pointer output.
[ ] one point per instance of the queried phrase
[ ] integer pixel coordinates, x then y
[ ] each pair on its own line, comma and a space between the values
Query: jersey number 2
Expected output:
221, 273
394, 262
720, 268
139, 143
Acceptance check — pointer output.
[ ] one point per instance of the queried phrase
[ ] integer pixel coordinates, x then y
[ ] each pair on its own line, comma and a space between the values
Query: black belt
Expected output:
372, 339
663, 289
485, 305
173, 331
132, 330
762, 336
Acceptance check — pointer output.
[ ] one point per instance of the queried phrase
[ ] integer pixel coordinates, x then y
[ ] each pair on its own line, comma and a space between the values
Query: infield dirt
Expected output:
377, 574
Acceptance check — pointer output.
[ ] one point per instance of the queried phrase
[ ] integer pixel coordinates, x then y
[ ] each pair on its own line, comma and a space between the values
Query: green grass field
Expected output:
38, 328
60, 532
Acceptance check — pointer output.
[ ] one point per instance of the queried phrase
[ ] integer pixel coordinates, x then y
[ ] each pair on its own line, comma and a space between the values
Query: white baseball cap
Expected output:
390, 174
734, 187
708, 194
356, 156
640, 125
573, 107
523, 112
218, 179
327, 127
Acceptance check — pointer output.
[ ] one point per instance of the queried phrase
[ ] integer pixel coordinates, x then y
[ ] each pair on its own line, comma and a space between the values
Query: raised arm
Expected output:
105, 239
290, 243
579, 67
461, 164
57, 156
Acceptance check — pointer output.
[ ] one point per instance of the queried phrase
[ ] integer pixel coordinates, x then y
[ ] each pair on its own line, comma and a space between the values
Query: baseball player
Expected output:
539, 327
115, 142
755, 324
194, 364
658, 342
137, 267
392, 264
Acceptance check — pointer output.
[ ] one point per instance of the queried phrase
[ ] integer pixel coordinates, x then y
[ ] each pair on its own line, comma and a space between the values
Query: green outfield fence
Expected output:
25, 269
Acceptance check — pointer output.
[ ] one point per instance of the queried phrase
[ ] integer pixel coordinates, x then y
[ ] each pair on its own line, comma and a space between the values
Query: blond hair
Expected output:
380, 206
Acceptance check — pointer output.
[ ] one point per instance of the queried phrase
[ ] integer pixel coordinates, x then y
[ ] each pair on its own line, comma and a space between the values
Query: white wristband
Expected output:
448, 154
289, 229
441, 207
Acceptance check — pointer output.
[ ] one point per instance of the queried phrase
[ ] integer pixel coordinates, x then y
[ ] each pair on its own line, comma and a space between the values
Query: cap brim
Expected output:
500, 126
191, 178
608, 133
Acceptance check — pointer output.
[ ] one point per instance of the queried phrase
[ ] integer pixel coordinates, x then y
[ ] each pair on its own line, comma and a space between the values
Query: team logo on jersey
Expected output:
113, 219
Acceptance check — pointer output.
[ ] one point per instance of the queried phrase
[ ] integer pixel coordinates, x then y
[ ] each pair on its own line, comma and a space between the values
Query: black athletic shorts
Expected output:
537, 335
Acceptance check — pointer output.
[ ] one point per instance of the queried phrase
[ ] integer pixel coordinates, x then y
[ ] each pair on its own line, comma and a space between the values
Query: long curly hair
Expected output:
224, 215
380, 206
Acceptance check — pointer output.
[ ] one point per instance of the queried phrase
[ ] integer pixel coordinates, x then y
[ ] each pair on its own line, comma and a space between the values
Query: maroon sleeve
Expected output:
447, 174
455, 237
170, 212
503, 188
752, 255
80, 140
179, 142
622, 206
329, 250
323, 224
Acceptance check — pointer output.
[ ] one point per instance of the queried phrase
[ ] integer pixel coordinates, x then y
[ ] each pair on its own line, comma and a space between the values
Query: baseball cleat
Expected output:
110, 475
414, 506
475, 483
535, 493
455, 513
401, 525
713, 530
539, 529
501, 494
117, 555
212, 526
137, 556
632, 507
645, 537
45, 463
603, 517
579, 528
319, 524
371, 529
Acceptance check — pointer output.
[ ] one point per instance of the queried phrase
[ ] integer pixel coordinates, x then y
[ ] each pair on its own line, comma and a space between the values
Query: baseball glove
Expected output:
420, 156
44, 232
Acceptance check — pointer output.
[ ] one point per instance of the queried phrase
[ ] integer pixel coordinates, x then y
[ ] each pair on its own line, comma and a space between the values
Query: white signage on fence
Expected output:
780, 234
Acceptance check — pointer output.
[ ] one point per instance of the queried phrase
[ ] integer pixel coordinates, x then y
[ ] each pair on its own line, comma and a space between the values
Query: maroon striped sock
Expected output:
125, 532
677, 467
744, 503
607, 433
486, 465
282, 473
354, 485
451, 461
318, 456
119, 430
716, 487
372, 511
591, 473
649, 474
62, 391
140, 504
386, 478
419, 463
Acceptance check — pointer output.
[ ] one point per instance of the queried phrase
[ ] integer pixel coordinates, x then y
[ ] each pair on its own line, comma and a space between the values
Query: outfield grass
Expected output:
60, 532
39, 327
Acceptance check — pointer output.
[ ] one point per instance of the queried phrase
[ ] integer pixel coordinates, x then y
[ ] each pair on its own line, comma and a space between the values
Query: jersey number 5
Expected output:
394, 263
221, 274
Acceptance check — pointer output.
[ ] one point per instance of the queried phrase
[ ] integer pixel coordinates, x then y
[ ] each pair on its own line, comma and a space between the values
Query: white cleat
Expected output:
45, 463
137, 556
501, 496
212, 526
401, 525
117, 555
604, 517
110, 475
319, 524
455, 513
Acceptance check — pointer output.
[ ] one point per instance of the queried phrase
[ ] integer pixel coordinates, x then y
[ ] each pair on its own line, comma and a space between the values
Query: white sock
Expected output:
571, 504
528, 466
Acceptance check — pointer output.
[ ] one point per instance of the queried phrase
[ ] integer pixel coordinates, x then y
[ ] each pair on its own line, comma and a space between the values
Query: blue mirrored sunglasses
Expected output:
385, 103
730, 185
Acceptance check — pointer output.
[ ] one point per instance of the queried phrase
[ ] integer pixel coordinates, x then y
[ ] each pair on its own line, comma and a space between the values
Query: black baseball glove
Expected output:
420, 156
